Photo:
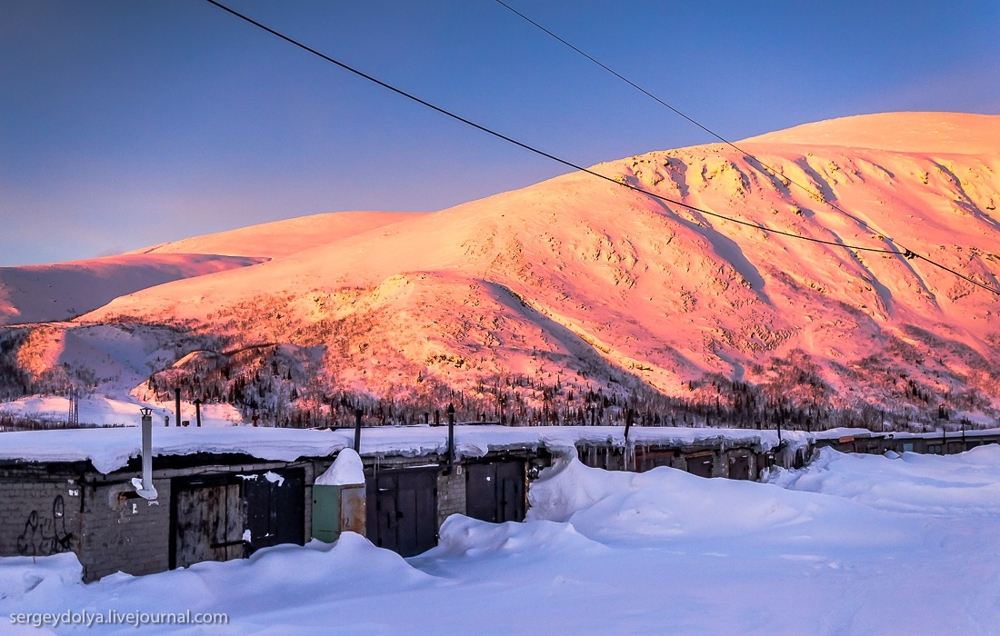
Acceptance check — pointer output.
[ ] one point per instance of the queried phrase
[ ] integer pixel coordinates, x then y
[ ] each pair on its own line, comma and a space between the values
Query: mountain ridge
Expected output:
577, 286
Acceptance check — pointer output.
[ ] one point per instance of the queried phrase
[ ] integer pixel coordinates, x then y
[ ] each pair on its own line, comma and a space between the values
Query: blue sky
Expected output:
126, 124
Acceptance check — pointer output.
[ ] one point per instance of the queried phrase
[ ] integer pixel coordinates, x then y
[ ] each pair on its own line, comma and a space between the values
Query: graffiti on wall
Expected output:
45, 534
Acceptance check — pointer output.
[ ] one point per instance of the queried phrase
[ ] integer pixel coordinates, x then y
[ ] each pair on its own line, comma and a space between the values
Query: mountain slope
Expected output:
282, 238
574, 297
922, 133
41, 293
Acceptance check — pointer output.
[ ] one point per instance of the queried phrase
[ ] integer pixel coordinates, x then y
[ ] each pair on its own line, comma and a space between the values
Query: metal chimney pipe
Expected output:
357, 430
147, 448
177, 406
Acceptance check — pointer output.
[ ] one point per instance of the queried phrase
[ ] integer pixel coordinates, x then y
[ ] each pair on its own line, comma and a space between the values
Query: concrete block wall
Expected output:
39, 517
125, 533
451, 494
720, 465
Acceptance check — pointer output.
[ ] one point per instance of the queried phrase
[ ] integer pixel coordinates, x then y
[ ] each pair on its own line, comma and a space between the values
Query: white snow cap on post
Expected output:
347, 470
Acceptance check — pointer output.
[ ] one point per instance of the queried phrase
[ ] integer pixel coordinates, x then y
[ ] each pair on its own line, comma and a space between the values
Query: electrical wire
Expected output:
860, 248
812, 193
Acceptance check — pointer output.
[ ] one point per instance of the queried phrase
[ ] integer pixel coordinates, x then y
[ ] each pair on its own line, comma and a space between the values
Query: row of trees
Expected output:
273, 385
14, 382
280, 385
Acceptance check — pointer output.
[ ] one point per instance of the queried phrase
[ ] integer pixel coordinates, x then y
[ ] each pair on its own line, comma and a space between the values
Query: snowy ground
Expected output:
853, 544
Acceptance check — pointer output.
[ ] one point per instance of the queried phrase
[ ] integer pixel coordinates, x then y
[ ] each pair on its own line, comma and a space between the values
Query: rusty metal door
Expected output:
739, 466
700, 465
274, 502
402, 509
647, 459
207, 520
494, 491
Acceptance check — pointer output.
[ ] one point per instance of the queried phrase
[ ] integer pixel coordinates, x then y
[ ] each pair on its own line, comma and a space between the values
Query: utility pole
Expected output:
177, 406
451, 437
357, 430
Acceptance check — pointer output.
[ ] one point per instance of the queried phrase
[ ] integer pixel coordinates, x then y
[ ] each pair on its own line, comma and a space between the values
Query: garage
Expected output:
223, 517
700, 464
495, 491
740, 466
402, 509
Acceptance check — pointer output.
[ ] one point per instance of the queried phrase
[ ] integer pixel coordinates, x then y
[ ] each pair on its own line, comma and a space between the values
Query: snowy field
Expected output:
852, 544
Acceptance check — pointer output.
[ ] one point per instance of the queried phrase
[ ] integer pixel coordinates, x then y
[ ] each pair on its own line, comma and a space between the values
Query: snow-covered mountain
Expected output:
577, 298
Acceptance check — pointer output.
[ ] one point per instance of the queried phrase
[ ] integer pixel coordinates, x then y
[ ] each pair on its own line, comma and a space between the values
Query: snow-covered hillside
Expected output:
575, 298
282, 238
49, 293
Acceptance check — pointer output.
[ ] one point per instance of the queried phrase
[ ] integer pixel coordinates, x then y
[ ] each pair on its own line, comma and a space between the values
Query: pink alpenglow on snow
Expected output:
47, 293
282, 238
544, 297
582, 283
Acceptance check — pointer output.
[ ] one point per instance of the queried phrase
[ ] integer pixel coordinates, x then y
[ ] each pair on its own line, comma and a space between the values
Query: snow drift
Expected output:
660, 552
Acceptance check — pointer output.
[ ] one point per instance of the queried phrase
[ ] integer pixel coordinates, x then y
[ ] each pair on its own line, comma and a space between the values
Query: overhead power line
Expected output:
810, 191
905, 253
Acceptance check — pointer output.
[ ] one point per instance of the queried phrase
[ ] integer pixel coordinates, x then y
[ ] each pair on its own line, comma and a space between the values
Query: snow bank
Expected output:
287, 579
968, 483
346, 470
47, 576
609, 552
665, 503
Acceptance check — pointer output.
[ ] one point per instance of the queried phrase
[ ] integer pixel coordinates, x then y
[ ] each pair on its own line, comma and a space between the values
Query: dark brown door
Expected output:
701, 466
739, 467
649, 459
275, 508
402, 510
510, 485
494, 491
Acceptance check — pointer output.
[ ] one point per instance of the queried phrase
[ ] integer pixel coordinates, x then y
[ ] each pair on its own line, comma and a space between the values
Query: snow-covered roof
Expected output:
109, 449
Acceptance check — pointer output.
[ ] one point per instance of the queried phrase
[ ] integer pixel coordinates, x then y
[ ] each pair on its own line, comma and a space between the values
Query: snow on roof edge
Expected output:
111, 449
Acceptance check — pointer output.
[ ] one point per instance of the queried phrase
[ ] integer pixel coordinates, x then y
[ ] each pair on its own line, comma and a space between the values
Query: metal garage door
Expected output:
402, 509
210, 516
739, 466
275, 508
207, 520
494, 491
700, 465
